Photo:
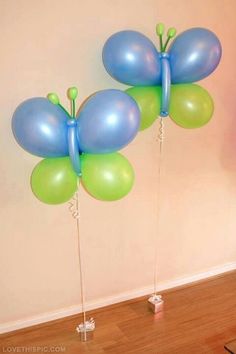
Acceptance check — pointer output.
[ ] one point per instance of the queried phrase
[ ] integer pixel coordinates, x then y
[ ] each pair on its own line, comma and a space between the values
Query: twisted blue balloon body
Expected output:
107, 122
165, 83
73, 145
131, 58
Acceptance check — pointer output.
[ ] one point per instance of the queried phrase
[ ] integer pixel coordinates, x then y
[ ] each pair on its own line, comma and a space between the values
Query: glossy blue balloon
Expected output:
131, 58
40, 128
107, 122
194, 54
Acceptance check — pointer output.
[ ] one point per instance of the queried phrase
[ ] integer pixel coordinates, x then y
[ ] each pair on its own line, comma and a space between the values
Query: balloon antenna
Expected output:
160, 29
170, 34
72, 94
54, 99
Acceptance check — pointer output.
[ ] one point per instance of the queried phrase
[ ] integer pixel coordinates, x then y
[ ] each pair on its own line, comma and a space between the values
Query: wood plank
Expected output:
231, 347
197, 319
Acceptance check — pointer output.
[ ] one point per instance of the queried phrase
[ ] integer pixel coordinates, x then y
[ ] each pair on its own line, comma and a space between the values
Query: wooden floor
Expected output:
197, 319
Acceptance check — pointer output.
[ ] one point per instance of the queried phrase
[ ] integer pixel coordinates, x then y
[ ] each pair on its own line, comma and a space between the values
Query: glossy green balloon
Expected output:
107, 177
53, 180
148, 99
191, 106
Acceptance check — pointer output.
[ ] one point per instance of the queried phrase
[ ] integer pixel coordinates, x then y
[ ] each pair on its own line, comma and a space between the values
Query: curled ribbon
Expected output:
73, 207
86, 326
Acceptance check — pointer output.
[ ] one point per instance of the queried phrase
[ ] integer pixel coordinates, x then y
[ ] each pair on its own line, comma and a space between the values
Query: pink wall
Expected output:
51, 45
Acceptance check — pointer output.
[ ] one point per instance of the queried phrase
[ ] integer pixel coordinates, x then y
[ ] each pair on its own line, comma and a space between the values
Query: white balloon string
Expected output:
160, 139
74, 210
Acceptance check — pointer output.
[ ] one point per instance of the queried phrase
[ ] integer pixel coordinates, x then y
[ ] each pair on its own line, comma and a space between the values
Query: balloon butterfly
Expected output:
163, 81
83, 146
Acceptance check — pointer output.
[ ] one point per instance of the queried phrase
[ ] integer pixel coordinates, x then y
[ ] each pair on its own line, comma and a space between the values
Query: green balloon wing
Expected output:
107, 177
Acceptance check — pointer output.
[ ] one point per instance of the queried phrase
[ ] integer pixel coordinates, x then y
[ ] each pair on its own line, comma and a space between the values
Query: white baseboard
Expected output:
92, 305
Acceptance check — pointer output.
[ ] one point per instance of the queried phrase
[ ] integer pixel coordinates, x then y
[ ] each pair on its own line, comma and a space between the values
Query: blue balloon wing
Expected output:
40, 128
107, 122
131, 58
194, 54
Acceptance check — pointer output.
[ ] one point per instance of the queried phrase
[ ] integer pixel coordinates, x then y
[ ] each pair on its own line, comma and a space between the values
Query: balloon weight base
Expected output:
155, 303
86, 330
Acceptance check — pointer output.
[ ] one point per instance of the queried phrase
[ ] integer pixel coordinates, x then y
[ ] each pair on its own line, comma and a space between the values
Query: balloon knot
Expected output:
71, 122
164, 114
164, 55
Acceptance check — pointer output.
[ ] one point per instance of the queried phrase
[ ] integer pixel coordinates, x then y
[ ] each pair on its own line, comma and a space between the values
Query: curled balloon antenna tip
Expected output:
72, 93
171, 32
160, 28
53, 98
